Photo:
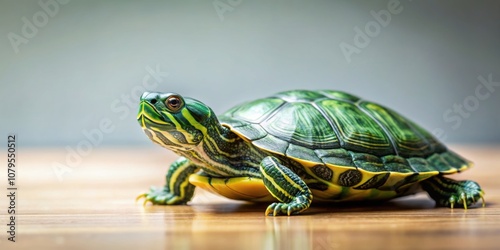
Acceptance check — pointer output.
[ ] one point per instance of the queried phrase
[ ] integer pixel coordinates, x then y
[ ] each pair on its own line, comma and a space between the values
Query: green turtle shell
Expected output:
342, 139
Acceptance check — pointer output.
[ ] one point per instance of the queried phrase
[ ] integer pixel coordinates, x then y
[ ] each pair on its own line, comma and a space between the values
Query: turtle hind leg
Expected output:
450, 193
286, 186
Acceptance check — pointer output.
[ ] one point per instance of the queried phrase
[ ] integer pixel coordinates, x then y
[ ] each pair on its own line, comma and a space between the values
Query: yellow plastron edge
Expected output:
236, 188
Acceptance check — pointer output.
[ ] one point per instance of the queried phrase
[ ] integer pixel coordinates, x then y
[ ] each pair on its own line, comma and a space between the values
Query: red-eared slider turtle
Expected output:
299, 146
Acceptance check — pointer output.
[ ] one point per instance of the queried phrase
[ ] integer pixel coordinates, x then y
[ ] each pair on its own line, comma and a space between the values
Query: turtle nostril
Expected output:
153, 101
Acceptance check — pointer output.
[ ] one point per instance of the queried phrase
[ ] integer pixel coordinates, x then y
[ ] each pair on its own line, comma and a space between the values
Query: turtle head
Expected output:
173, 121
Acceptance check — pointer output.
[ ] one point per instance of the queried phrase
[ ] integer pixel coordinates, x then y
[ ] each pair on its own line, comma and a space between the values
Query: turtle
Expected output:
299, 146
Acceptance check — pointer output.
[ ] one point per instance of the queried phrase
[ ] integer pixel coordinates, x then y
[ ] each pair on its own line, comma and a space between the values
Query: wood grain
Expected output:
93, 208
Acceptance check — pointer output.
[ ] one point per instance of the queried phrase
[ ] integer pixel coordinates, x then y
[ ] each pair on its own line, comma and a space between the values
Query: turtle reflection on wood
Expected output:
297, 147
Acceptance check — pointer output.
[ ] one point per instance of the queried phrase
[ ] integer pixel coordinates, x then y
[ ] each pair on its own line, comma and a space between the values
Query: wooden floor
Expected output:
93, 208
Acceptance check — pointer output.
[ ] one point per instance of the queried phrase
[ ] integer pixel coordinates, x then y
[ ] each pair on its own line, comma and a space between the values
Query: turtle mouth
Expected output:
149, 117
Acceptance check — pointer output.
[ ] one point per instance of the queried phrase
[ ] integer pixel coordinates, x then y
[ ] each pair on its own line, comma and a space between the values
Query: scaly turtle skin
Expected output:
296, 147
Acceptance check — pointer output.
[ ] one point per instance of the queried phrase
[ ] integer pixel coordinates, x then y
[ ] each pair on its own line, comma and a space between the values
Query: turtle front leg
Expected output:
177, 190
448, 192
286, 186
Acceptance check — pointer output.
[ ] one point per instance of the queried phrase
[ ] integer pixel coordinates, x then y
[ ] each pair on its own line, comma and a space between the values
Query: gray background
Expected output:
73, 72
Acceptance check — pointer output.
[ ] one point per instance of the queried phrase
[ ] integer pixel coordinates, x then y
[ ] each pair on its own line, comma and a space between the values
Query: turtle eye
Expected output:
174, 103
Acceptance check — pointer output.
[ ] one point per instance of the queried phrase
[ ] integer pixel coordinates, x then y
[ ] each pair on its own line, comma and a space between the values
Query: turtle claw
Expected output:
269, 209
288, 209
452, 193
143, 195
160, 196
467, 199
277, 209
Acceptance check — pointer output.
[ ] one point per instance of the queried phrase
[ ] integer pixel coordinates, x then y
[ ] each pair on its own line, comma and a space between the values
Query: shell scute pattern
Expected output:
350, 178
364, 145
255, 111
375, 182
323, 172
307, 128
420, 164
356, 131
367, 162
396, 163
303, 153
335, 157
407, 141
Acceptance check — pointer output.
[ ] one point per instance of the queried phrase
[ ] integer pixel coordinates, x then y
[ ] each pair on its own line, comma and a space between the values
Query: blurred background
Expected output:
70, 70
